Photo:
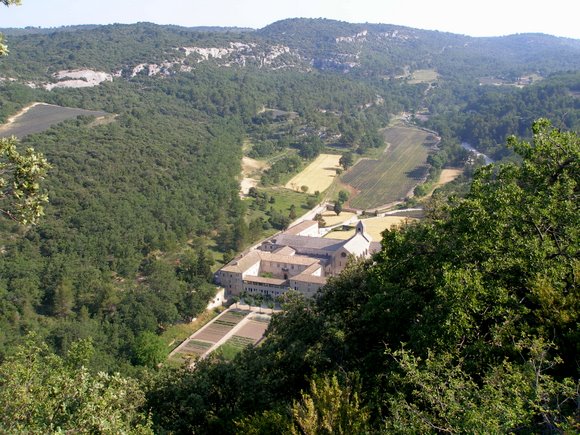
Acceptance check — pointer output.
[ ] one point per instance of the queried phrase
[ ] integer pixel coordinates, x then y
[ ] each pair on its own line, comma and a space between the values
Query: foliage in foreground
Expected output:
21, 197
43, 393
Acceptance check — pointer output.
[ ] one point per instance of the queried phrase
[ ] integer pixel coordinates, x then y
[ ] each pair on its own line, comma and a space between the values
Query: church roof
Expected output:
302, 226
357, 244
301, 242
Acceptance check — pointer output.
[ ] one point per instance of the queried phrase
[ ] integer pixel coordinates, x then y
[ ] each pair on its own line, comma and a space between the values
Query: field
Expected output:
331, 218
394, 175
374, 227
318, 175
39, 117
447, 176
423, 76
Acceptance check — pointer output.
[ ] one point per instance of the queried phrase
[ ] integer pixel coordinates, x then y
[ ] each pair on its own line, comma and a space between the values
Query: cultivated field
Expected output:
318, 175
39, 117
394, 175
374, 227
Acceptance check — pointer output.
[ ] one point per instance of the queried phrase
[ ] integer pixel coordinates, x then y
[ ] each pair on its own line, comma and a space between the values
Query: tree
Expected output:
21, 197
330, 408
4, 47
63, 300
41, 392
346, 160
343, 196
292, 215
149, 349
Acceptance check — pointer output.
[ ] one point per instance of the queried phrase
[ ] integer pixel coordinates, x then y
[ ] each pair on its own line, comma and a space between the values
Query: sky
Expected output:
467, 17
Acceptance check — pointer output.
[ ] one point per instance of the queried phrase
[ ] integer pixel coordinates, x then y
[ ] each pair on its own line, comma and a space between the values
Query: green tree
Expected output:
149, 349
343, 196
63, 300
346, 160
43, 393
292, 215
329, 408
21, 196
4, 47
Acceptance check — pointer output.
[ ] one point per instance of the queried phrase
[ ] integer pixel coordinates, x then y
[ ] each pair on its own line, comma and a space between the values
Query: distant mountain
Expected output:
372, 50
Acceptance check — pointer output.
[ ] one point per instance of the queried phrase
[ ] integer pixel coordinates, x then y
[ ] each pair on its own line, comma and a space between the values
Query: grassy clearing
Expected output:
284, 199
318, 175
423, 76
393, 176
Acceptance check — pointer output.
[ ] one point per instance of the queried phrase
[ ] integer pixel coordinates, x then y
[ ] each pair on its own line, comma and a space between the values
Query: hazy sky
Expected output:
469, 17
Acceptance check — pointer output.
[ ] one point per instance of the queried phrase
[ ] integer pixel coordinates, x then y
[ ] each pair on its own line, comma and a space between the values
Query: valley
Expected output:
174, 151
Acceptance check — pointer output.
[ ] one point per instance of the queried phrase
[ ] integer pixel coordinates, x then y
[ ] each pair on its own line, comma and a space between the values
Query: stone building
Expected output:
297, 258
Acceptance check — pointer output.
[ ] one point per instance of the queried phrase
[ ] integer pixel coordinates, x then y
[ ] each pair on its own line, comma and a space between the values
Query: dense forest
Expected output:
467, 321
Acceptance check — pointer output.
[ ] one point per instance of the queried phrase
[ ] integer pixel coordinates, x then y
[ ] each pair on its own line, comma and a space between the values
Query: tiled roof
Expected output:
285, 250
298, 228
243, 263
264, 280
309, 278
289, 259
300, 242
375, 247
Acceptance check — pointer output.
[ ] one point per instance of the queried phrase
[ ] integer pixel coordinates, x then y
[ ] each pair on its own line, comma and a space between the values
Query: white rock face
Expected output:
80, 78
359, 37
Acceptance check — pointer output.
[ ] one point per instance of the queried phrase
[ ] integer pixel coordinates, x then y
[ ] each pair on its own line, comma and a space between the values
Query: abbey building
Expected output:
298, 259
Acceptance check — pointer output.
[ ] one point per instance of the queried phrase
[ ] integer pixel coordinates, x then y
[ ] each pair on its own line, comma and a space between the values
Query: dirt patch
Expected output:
251, 172
82, 78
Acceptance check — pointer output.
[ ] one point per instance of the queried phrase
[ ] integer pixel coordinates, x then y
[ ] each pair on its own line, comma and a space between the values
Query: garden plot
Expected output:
203, 340
250, 333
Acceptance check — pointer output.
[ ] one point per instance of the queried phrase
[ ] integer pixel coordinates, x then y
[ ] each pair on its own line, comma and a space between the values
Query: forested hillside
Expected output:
144, 204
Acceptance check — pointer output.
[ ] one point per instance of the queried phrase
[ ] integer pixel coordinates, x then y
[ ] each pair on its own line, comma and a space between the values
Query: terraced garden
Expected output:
250, 333
202, 341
